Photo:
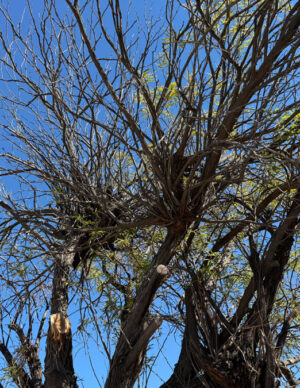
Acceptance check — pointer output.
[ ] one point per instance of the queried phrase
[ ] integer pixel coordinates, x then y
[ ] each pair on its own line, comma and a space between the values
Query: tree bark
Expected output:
59, 371
138, 328
241, 355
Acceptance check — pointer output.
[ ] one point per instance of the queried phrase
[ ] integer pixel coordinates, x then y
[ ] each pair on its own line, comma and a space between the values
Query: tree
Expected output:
158, 172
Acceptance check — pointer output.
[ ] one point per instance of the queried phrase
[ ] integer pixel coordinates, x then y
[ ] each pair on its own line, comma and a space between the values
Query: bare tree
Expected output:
156, 161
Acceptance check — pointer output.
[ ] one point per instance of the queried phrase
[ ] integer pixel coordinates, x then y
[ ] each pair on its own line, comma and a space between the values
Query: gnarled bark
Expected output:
59, 371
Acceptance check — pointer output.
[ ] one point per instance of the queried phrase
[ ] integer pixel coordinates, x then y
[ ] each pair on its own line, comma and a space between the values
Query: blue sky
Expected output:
91, 353
85, 354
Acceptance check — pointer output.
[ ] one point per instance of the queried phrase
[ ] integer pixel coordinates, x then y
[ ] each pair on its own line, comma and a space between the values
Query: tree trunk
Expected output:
139, 327
59, 371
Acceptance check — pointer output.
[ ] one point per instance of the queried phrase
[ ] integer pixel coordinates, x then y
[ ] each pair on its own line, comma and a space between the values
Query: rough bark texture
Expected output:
132, 344
31, 353
59, 371
245, 353
191, 132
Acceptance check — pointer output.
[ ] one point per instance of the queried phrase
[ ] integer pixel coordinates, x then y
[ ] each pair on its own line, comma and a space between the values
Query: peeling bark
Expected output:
59, 371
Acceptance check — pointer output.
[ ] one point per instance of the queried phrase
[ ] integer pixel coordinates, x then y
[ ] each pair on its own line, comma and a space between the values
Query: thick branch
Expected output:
20, 376
30, 352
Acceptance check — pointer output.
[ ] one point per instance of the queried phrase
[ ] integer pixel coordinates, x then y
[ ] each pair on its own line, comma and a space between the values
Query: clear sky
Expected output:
89, 363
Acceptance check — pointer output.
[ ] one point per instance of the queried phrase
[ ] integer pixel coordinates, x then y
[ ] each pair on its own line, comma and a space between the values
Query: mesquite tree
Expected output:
150, 174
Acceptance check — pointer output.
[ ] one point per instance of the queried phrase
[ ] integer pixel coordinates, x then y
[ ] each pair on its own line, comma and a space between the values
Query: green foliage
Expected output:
11, 373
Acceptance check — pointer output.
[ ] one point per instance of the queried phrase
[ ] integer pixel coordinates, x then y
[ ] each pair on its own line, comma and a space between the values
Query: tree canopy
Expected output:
150, 178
